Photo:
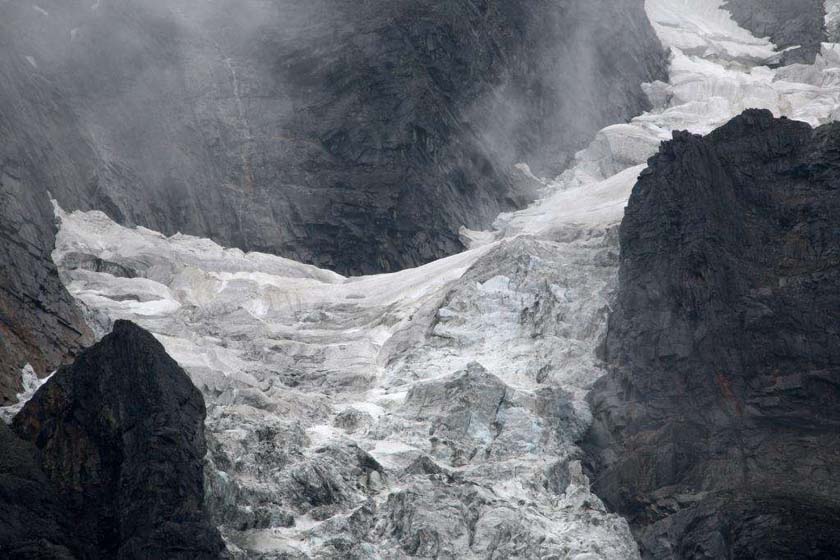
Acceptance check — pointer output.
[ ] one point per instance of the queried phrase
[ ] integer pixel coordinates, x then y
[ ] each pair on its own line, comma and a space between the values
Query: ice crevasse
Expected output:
432, 411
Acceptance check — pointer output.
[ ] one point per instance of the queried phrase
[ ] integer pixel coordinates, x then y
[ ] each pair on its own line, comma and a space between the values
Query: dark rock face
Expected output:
788, 23
120, 437
39, 323
32, 526
717, 431
355, 136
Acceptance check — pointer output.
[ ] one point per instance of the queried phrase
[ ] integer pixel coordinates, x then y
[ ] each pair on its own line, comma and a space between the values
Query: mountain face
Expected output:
39, 321
356, 136
798, 25
716, 431
445, 410
111, 459
359, 137
436, 411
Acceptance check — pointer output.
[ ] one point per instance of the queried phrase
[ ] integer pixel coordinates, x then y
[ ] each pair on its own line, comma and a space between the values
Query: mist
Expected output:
317, 130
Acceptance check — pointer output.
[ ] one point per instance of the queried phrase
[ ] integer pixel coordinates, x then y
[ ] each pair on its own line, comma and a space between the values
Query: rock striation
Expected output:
716, 431
109, 460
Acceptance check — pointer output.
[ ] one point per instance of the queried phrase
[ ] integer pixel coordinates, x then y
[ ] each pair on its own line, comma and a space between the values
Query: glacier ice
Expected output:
433, 411
457, 384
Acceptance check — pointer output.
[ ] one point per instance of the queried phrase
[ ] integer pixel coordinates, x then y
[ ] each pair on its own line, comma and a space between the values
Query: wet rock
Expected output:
40, 324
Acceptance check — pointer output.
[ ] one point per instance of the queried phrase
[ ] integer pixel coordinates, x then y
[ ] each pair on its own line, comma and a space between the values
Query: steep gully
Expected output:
431, 412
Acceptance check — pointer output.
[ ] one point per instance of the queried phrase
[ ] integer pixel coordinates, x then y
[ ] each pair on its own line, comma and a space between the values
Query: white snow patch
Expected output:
31, 383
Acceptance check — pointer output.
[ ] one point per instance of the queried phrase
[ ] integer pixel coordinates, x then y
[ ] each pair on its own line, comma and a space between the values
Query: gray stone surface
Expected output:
716, 431
33, 525
118, 442
39, 322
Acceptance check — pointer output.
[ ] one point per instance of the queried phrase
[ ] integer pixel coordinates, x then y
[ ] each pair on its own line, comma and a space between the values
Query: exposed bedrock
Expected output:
356, 136
795, 24
39, 323
717, 430
109, 463
33, 525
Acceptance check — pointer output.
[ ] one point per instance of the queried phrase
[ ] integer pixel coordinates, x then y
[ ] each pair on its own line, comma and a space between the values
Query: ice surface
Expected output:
701, 27
438, 404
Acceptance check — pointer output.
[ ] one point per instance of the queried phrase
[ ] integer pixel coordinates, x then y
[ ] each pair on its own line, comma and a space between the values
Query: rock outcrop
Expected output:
118, 442
798, 25
717, 429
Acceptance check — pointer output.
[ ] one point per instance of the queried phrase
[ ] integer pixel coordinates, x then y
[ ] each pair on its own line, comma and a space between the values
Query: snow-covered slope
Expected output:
431, 412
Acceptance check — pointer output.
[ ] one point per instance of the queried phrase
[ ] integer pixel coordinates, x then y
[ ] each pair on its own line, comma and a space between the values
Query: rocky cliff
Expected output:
798, 25
111, 462
40, 150
716, 431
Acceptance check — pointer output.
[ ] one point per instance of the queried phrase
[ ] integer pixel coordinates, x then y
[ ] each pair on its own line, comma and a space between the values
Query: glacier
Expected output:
431, 412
